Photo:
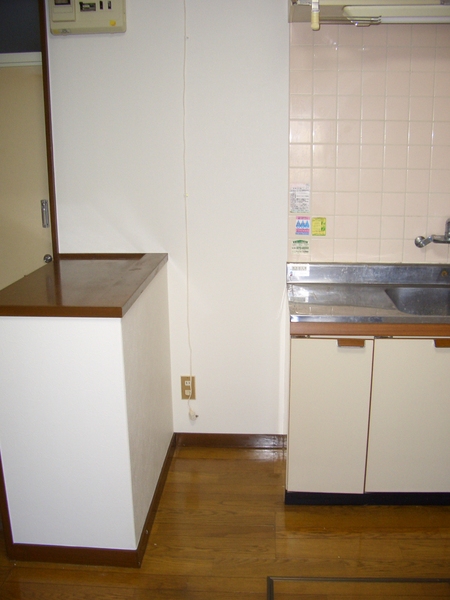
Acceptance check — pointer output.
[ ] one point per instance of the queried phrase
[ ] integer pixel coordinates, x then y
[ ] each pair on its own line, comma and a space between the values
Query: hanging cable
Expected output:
192, 414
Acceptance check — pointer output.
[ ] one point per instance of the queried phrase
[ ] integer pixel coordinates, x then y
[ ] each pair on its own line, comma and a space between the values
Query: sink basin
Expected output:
427, 300
339, 295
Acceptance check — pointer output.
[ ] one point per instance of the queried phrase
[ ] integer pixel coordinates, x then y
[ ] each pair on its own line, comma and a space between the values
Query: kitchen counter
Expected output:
369, 364
363, 299
86, 408
82, 285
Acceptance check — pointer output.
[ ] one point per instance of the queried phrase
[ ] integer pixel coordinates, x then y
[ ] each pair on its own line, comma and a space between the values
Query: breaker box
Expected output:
76, 17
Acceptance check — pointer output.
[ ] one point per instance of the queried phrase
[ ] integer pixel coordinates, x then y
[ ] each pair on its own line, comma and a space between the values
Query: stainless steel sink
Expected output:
427, 300
340, 295
369, 293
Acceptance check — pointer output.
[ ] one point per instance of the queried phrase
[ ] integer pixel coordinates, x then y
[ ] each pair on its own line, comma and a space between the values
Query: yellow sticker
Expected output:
113, 23
318, 226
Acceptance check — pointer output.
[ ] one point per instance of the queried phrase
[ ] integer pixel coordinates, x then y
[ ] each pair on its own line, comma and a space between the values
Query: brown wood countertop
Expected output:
370, 329
82, 285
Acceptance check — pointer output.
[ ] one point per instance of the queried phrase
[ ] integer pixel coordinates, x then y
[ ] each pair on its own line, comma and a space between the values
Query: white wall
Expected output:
117, 105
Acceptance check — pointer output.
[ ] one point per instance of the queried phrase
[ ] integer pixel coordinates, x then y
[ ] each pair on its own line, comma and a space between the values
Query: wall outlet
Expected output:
187, 387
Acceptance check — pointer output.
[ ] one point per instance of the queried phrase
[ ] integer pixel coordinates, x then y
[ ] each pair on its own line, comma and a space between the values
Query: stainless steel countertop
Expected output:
368, 293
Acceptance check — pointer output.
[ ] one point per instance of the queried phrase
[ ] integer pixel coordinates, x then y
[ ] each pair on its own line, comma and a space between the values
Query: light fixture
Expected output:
436, 13
368, 12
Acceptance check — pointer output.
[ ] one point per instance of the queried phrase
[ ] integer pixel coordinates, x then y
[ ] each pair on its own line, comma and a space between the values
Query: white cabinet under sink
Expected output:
372, 416
328, 415
409, 439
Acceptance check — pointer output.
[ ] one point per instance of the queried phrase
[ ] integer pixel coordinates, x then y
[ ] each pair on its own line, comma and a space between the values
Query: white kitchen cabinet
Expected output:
358, 426
409, 441
329, 413
85, 408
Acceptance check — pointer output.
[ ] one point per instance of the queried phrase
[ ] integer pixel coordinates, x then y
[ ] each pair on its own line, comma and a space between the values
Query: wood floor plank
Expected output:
363, 590
244, 454
352, 548
364, 517
48, 591
222, 528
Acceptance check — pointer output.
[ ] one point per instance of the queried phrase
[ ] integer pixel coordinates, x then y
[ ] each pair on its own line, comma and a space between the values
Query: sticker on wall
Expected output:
299, 194
318, 226
299, 247
302, 225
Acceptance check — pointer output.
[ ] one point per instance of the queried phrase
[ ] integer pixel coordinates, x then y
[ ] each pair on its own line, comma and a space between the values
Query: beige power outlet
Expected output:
187, 387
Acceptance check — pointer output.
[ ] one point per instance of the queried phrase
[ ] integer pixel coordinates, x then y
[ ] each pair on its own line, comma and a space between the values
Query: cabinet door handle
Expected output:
442, 343
350, 342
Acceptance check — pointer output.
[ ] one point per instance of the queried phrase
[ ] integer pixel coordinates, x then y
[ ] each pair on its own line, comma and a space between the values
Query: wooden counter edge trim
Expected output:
62, 311
163, 259
371, 329
85, 556
104, 256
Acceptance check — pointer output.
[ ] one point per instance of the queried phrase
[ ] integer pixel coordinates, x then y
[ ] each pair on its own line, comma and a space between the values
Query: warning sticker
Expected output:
318, 226
302, 225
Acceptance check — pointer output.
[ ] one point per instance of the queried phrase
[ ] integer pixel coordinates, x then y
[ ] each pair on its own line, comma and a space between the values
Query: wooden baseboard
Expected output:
231, 440
87, 556
155, 501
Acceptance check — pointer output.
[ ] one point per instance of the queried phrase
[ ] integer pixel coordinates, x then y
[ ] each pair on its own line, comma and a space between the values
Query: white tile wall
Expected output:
370, 135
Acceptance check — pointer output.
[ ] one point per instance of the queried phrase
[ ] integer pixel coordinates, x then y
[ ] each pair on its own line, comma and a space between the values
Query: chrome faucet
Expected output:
421, 241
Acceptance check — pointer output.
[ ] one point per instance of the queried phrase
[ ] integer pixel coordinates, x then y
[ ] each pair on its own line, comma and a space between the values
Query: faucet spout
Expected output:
421, 241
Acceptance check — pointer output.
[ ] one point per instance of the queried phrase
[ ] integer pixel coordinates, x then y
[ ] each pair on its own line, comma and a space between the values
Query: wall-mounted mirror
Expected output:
26, 171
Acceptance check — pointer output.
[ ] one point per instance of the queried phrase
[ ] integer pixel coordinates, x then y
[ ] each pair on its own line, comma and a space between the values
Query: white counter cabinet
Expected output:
409, 440
369, 419
328, 415
85, 408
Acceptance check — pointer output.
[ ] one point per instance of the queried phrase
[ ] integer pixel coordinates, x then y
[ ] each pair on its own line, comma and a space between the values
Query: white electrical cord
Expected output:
192, 414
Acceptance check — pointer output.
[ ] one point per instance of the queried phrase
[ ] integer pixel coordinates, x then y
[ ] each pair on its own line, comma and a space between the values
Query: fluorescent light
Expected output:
434, 13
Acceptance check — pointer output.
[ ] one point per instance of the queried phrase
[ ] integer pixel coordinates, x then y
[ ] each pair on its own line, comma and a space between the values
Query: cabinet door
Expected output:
409, 437
328, 416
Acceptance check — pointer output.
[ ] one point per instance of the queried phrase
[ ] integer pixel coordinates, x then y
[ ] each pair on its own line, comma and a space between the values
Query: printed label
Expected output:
318, 226
302, 225
299, 194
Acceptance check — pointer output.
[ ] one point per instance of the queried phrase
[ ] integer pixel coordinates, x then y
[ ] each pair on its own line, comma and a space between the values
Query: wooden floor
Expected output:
222, 528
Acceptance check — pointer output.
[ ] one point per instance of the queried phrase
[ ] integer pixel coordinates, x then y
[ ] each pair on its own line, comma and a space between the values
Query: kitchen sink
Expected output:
426, 300
369, 293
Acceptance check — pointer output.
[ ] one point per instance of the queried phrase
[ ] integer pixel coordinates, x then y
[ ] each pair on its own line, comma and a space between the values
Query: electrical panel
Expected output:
75, 17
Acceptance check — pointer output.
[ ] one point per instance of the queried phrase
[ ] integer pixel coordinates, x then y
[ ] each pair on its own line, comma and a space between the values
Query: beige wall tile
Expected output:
346, 203
391, 251
324, 132
301, 106
393, 204
370, 131
369, 203
367, 249
301, 132
348, 156
345, 250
